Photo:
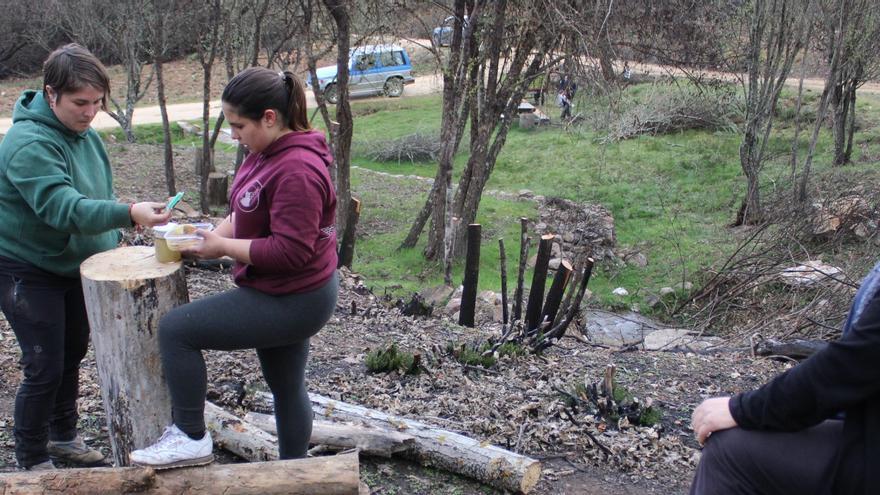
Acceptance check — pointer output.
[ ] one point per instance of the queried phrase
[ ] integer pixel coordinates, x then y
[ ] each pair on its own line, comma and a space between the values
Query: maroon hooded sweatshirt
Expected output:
284, 200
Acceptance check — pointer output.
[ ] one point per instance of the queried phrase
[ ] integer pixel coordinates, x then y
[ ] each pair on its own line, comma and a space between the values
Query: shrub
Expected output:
392, 359
418, 147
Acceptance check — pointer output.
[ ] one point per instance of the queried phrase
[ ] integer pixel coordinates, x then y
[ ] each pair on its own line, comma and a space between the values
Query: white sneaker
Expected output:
175, 449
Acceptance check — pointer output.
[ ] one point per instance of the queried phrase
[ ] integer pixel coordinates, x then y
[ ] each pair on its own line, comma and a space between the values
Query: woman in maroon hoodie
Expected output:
281, 234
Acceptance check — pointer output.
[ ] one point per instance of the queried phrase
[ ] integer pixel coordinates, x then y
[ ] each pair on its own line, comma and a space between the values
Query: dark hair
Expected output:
71, 68
257, 89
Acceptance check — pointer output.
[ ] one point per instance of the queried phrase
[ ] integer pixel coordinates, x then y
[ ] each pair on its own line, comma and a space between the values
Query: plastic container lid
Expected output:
184, 236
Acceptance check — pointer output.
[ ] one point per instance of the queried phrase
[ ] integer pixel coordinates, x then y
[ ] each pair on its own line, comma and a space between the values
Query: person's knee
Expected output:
172, 329
43, 369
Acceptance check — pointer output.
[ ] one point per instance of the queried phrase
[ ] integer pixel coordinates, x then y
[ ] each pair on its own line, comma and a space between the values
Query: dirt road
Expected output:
191, 111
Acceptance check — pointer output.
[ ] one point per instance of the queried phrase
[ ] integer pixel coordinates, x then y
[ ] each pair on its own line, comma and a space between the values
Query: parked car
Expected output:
442, 34
373, 70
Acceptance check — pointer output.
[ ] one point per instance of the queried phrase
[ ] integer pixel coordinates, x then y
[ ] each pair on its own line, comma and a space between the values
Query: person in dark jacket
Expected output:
282, 237
814, 429
56, 195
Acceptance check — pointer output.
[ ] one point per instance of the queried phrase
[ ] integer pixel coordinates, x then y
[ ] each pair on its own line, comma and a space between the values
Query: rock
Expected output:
685, 286
525, 193
808, 274
678, 339
652, 300
666, 291
489, 297
554, 264
620, 291
436, 296
636, 259
568, 237
453, 306
617, 330
540, 227
555, 250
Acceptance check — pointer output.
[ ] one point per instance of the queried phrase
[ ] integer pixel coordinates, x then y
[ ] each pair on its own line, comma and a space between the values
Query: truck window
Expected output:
391, 59
366, 61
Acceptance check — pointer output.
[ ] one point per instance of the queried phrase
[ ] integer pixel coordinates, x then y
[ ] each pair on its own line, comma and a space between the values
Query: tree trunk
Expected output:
471, 276
218, 189
349, 236
329, 475
339, 11
839, 111
439, 448
126, 293
166, 129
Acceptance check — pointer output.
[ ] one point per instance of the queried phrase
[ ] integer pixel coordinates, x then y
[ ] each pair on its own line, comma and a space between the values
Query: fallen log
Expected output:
437, 447
240, 437
370, 440
329, 475
796, 349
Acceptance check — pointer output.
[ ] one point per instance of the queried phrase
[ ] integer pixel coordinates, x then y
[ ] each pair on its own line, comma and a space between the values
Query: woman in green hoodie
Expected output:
56, 192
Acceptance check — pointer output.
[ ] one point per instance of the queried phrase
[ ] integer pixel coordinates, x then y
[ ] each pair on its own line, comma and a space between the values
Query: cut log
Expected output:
523, 256
126, 293
503, 259
437, 447
539, 281
557, 289
330, 475
370, 440
471, 277
796, 349
218, 186
240, 437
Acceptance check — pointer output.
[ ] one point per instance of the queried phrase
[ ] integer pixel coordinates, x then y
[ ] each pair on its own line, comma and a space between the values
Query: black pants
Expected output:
738, 461
279, 327
48, 315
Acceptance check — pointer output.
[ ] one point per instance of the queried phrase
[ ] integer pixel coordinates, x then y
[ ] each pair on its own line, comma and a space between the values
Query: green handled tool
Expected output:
173, 201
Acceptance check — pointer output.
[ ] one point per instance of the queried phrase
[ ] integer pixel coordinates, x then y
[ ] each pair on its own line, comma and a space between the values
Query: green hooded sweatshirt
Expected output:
56, 191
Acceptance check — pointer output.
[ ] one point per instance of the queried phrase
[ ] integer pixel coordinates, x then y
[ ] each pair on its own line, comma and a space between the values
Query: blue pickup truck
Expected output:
374, 69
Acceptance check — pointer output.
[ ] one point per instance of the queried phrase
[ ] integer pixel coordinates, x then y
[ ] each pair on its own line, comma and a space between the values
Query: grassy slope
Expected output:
671, 196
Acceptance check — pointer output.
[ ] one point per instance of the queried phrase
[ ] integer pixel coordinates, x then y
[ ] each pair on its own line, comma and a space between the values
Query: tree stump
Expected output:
126, 293
218, 185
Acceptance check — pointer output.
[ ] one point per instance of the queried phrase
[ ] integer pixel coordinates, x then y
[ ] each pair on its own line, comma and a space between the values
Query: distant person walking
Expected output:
56, 195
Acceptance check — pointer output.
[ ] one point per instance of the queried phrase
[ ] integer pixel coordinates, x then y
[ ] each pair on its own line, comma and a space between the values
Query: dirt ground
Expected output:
516, 404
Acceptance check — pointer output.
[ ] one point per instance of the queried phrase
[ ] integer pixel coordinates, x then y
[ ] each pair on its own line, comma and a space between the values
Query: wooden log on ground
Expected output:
126, 293
438, 447
369, 439
240, 437
503, 258
471, 277
556, 332
557, 290
523, 257
795, 349
329, 475
346, 245
539, 281
218, 187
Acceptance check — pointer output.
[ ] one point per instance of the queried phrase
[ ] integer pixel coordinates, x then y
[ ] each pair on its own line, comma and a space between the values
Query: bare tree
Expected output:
209, 47
775, 37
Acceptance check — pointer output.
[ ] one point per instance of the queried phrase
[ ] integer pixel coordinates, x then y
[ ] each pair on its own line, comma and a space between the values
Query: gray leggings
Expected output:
279, 327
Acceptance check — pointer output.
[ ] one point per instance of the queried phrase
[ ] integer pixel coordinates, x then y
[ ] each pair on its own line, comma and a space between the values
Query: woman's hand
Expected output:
149, 214
212, 246
712, 415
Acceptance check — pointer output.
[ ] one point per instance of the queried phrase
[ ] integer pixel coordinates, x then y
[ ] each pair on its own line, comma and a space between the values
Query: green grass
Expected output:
671, 196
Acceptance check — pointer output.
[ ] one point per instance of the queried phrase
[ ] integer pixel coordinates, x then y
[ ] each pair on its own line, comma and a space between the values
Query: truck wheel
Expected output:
330, 94
394, 87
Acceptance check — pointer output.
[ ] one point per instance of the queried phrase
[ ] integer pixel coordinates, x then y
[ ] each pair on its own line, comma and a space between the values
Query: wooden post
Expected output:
126, 293
523, 257
471, 276
346, 244
218, 187
539, 280
503, 257
557, 289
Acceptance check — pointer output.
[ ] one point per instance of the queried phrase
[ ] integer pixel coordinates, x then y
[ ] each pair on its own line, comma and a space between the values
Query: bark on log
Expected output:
218, 187
557, 289
240, 437
796, 349
349, 236
370, 440
437, 447
539, 281
330, 475
126, 293
471, 277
